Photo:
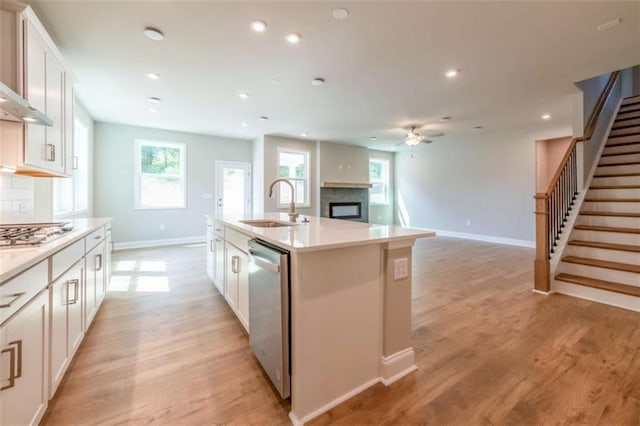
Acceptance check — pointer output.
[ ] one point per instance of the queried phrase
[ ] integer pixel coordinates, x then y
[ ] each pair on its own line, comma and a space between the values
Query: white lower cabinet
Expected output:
237, 282
66, 322
24, 359
218, 269
94, 288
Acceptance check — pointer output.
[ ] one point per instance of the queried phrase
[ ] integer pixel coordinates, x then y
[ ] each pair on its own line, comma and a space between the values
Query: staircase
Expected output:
602, 258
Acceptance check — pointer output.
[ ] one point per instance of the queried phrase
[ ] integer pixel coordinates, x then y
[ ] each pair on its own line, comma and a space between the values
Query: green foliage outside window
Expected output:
375, 170
160, 160
284, 171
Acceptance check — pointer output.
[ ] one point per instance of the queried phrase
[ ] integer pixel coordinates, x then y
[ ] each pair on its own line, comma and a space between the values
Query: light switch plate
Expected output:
400, 268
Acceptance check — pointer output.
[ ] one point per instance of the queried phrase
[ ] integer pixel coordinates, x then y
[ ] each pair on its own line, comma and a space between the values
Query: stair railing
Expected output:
553, 206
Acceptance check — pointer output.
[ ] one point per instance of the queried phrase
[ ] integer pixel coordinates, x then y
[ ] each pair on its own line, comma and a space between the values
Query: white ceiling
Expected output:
383, 66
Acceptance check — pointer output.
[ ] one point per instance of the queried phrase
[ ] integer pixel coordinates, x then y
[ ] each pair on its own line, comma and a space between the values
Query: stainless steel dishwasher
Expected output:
269, 311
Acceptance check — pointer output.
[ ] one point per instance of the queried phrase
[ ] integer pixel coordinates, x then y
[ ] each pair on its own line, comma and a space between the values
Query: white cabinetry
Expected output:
95, 281
24, 343
66, 322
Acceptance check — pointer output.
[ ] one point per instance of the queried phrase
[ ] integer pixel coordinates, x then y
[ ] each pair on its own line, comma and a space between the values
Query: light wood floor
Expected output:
489, 351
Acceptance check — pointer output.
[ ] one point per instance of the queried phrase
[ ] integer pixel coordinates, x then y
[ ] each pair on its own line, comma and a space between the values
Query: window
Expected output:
160, 175
294, 166
379, 177
71, 195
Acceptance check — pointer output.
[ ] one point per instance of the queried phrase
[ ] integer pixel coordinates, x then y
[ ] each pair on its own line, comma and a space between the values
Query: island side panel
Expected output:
336, 298
398, 357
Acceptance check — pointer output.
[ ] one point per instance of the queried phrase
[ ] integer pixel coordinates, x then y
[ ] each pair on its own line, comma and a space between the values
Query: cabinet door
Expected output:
54, 154
107, 261
218, 269
59, 348
210, 258
35, 90
89, 294
231, 275
99, 262
243, 290
24, 354
75, 331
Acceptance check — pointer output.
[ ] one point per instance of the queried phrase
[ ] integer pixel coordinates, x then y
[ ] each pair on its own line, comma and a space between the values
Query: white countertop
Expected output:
15, 260
323, 233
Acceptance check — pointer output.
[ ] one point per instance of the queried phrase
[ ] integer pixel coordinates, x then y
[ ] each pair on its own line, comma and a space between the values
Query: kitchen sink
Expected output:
262, 223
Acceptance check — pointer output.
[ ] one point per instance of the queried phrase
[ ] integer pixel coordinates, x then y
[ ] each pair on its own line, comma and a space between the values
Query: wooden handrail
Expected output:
588, 132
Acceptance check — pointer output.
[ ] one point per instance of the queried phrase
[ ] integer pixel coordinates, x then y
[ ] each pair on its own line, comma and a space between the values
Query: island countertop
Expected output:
15, 260
321, 233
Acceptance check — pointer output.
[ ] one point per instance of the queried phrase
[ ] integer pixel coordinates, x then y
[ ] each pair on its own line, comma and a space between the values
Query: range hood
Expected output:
15, 108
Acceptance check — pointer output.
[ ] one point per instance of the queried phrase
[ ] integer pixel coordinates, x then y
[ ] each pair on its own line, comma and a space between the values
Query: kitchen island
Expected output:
350, 304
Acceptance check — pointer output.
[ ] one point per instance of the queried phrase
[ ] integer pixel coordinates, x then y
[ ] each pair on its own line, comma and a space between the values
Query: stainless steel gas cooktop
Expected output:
31, 234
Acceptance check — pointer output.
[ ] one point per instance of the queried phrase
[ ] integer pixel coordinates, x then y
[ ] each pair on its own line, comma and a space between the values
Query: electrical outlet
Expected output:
162, 227
400, 268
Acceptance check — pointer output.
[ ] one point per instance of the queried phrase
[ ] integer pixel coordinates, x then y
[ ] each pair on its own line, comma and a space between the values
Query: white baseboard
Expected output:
397, 366
297, 421
158, 243
486, 238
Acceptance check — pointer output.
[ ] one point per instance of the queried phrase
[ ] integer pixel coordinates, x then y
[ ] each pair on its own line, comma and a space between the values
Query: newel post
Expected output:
541, 271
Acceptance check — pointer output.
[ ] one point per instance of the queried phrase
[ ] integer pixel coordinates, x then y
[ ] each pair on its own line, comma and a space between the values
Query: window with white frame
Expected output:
293, 166
160, 175
71, 195
379, 177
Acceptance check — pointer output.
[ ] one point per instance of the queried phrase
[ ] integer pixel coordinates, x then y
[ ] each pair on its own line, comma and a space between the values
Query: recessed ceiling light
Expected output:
154, 100
340, 14
372, 138
3, 100
258, 26
607, 25
243, 95
153, 33
304, 135
273, 80
317, 81
29, 119
444, 119
264, 118
244, 124
293, 38
153, 75
452, 73
477, 127
153, 109
546, 116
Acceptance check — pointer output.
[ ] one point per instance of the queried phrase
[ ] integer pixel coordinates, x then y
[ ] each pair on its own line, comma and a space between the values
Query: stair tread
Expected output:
617, 154
626, 131
614, 187
624, 124
613, 200
600, 284
613, 214
616, 175
623, 163
608, 229
598, 263
606, 246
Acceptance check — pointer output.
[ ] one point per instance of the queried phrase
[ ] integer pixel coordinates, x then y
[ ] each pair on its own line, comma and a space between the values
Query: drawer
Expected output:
94, 238
238, 239
64, 259
16, 292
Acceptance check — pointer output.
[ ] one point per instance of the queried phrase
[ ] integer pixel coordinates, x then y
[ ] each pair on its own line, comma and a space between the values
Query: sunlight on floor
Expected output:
119, 283
125, 266
150, 266
153, 284
148, 281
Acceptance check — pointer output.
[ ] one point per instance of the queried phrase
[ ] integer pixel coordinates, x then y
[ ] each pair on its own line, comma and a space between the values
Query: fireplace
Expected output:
345, 210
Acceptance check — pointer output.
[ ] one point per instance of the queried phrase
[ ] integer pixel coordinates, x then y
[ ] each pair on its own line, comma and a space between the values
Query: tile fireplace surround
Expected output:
342, 195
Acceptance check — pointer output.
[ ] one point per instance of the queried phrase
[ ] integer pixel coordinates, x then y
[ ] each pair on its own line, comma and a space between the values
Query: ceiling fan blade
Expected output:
435, 135
427, 141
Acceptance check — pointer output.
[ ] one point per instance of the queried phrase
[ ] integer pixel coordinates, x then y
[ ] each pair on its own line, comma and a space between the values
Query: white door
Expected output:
233, 188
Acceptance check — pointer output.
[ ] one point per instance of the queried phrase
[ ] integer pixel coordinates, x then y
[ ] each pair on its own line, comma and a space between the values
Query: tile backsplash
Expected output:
16, 199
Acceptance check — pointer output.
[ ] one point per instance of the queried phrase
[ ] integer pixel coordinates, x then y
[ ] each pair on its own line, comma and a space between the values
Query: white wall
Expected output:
343, 163
114, 181
271, 145
487, 179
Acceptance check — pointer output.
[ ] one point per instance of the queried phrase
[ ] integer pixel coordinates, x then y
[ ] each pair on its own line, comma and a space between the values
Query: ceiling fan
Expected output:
414, 138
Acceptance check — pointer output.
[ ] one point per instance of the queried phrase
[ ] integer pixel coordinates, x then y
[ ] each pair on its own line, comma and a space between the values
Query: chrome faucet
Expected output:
292, 208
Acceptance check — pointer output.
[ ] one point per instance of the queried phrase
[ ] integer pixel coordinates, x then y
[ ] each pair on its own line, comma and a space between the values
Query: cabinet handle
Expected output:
18, 343
211, 246
51, 154
235, 264
75, 283
14, 296
98, 258
75, 163
97, 237
218, 230
12, 371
